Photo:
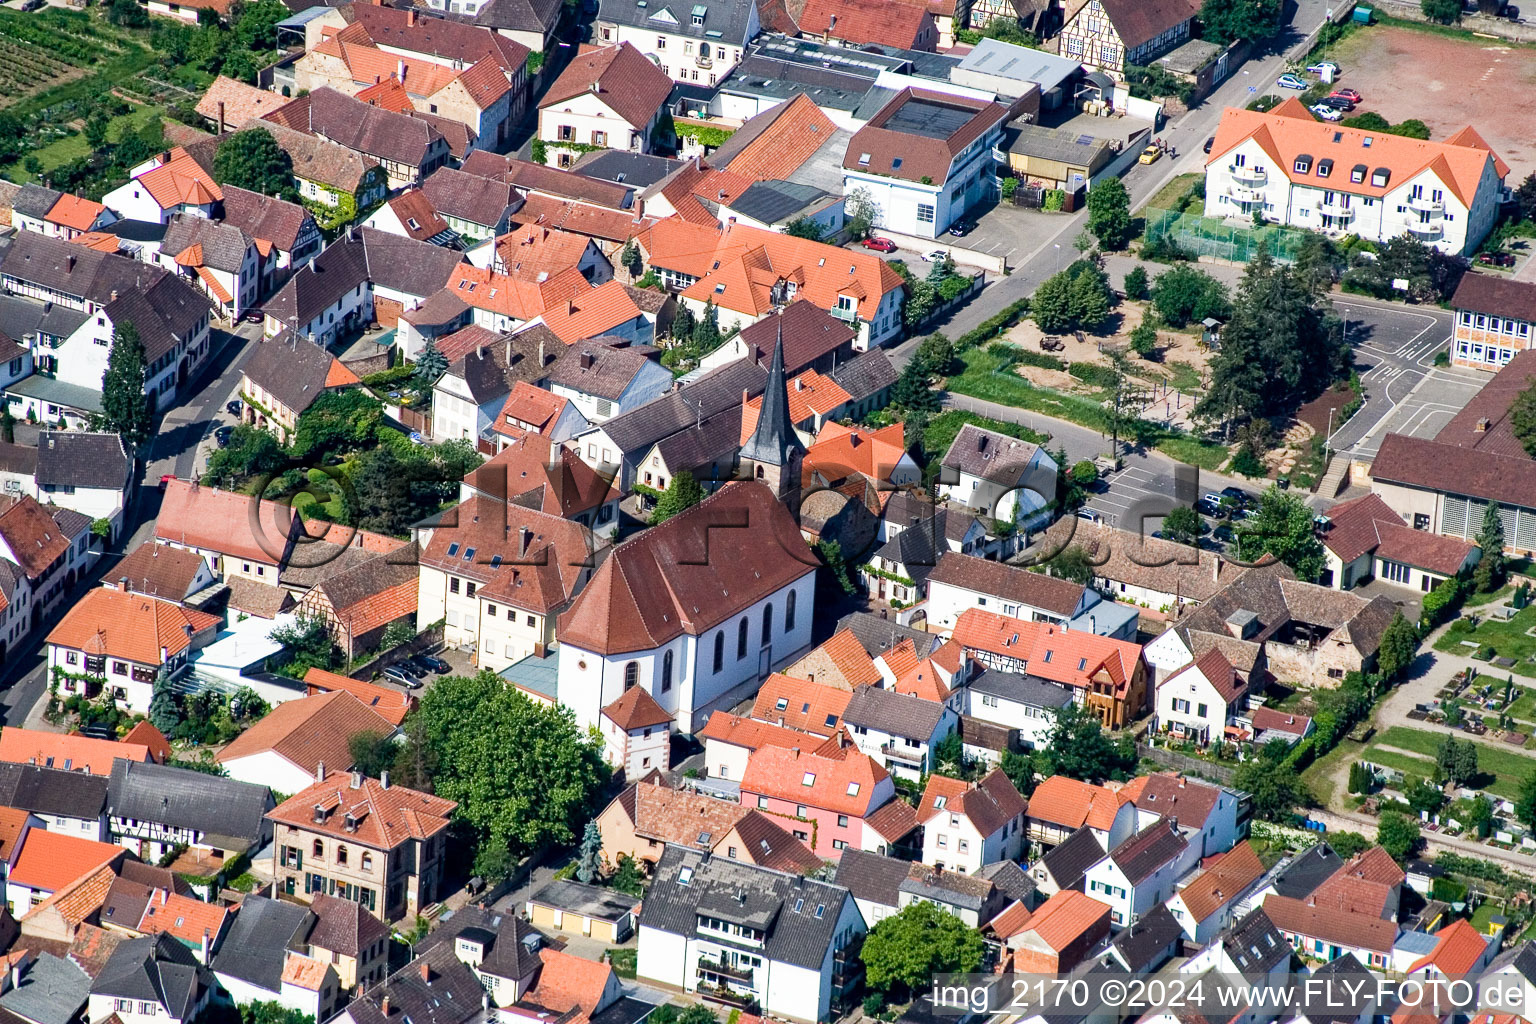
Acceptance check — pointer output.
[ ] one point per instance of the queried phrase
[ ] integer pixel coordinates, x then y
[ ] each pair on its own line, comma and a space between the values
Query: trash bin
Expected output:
1364, 15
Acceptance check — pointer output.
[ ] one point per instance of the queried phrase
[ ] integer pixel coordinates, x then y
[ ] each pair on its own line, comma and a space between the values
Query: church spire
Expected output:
774, 442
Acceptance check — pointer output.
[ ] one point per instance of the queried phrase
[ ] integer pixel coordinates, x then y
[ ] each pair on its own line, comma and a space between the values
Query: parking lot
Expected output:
1425, 408
1136, 498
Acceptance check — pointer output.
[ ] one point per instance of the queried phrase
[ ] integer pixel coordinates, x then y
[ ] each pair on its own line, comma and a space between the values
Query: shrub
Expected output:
1136, 282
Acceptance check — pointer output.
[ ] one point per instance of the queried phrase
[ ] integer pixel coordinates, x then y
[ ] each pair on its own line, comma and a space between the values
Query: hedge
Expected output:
993, 325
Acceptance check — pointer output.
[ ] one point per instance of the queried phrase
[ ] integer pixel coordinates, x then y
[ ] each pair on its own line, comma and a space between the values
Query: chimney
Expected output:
16, 975
221, 116
525, 538
400, 70
1482, 424
71, 262
480, 351
426, 972
207, 941
586, 360
831, 24
113, 297
597, 87
320, 772
357, 780
384, 1002
384, 779
541, 352
122, 583
410, 18
508, 353
1216, 570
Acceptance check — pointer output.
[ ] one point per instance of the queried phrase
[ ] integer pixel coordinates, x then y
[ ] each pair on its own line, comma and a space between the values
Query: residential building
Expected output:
730, 740
1211, 817
1494, 315
1141, 872
221, 260
1253, 949
43, 861
968, 825
283, 378
73, 753
1021, 703
45, 549
605, 380
1107, 35
1207, 904
408, 148
361, 600
532, 410
503, 950
329, 174
57, 214
120, 642
163, 186
787, 945
284, 228
136, 908
536, 472
96, 293
1366, 539
1295, 170
45, 989
1145, 570
1058, 936
611, 639
393, 705
88, 472
483, 367
831, 792
1203, 702
397, 838
1065, 865
647, 816
474, 208
904, 25
152, 809
529, 22
499, 575
961, 582
925, 158
68, 800
702, 48
637, 734
284, 749
999, 476
1061, 806
804, 705
898, 730
611, 97
154, 978
748, 273
264, 960
229, 104
353, 941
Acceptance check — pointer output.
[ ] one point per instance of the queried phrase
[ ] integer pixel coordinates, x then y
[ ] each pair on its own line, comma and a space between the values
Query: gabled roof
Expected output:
320, 160
48, 861
996, 579
750, 733
872, 877
1138, 21
990, 803
620, 76
231, 104
845, 783
264, 218
768, 845
129, 626
663, 583
536, 472
55, 790
898, 23
155, 969
1368, 524
1070, 861
383, 816
1341, 927
775, 143
920, 134
1148, 850
635, 431
72, 458
1293, 132
310, 731
1222, 881
256, 947
896, 714
180, 180
469, 197
392, 705
1070, 803
367, 129
1174, 796
1458, 948
222, 809
800, 704
598, 369
1215, 669
1073, 658
73, 752
520, 556
1064, 918
295, 372
536, 252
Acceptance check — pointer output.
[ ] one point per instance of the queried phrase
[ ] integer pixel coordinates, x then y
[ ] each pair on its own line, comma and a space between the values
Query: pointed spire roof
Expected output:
775, 438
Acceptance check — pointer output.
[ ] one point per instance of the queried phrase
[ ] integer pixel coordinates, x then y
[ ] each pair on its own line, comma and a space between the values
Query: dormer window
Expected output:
1357, 173
1380, 176
1324, 168
1303, 163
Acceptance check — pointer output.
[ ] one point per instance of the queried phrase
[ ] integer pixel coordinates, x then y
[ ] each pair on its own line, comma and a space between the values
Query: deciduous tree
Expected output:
682, 493
1398, 834
1283, 529
252, 160
1226, 21
903, 952
1109, 213
1399, 645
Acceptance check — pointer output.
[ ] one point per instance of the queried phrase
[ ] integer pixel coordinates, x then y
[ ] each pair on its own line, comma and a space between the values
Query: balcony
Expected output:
740, 1000
1423, 204
1251, 175
1335, 208
711, 966
905, 754
1245, 195
1427, 231
704, 63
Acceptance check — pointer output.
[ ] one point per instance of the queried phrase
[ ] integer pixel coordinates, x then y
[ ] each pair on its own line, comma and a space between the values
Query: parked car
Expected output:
221, 436
1347, 94
1206, 507
879, 244
398, 674
961, 228
432, 663
166, 480
937, 256
254, 316
1089, 515
1511, 12
234, 408
1496, 259
1327, 113
1208, 144
1325, 67
1149, 155
1238, 495
1337, 103
1292, 82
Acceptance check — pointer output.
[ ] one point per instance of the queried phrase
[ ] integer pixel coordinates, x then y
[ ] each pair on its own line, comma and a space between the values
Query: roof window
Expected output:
453, 549
782, 704
685, 875
808, 779
863, 159
853, 789
896, 163
469, 554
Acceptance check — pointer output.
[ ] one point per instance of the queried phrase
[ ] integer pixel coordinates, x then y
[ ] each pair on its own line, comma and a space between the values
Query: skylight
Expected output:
685, 876
853, 789
453, 549
808, 779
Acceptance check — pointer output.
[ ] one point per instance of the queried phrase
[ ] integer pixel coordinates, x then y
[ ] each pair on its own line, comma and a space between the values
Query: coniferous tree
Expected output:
125, 403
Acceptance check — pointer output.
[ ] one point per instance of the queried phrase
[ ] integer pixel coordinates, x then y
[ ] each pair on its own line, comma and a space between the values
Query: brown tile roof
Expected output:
468, 197
800, 704
664, 583
769, 846
158, 570
565, 486
1072, 804
1222, 881
310, 731
519, 556
50, 860
1346, 928
321, 161
218, 520
1138, 21
895, 819
374, 593
882, 148
78, 899
265, 218
991, 803
900, 23
1275, 720
1124, 556
237, 103
1173, 796
1484, 422
129, 626
636, 709
612, 226
775, 143
73, 752
1496, 295
1441, 466
1216, 670
1054, 595
35, 539
531, 407
391, 705
383, 817
260, 599
344, 926
417, 215
1363, 884
629, 84
1368, 524
688, 819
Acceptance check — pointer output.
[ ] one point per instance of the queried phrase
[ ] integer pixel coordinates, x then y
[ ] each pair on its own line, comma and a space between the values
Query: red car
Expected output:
879, 244
1347, 94
166, 479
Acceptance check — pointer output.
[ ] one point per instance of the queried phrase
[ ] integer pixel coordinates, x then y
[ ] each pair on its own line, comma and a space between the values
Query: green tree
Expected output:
372, 753
1347, 844
1078, 746
1398, 834
1456, 760
1109, 213
1475, 814
682, 493
804, 227
7, 423
430, 365
255, 27
1072, 562
1088, 299
521, 771
1412, 128
1522, 417
538, 151
250, 451
96, 128
1399, 646
1275, 792
1182, 525
272, 1012
937, 353
912, 390
903, 952
1525, 803
1317, 263
1525, 196
1283, 529
1225, 21
627, 877
1443, 12
1423, 797
127, 14
1051, 305
390, 493
1183, 295
309, 644
164, 714
1136, 282
125, 404
337, 422
1488, 574
706, 333
252, 160
589, 859
1144, 338
683, 323
1020, 769
859, 212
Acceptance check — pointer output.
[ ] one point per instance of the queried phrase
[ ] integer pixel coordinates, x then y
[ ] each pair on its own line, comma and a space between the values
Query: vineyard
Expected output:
46, 48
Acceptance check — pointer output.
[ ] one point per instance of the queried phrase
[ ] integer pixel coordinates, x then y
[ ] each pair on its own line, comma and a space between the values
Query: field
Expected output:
1451, 82
42, 50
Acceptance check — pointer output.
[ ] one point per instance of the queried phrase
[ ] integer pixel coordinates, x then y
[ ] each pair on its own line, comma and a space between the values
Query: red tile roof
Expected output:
1457, 952
843, 784
71, 753
839, 451
222, 521
622, 78
588, 312
904, 24
392, 705
852, 660
750, 733
49, 861
1222, 881
180, 180
310, 731
536, 252
1341, 927
150, 737
383, 817
636, 709
800, 704
884, 147
1101, 658
129, 626
1214, 668
183, 917
1072, 804
792, 132
1065, 917
528, 407
72, 211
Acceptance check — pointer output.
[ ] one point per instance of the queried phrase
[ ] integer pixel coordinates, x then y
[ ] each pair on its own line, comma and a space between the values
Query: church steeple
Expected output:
774, 450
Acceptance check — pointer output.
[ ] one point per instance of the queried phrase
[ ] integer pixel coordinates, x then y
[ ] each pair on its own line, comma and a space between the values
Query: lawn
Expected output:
1507, 637
1507, 768
74, 146
1170, 196
624, 961
941, 430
